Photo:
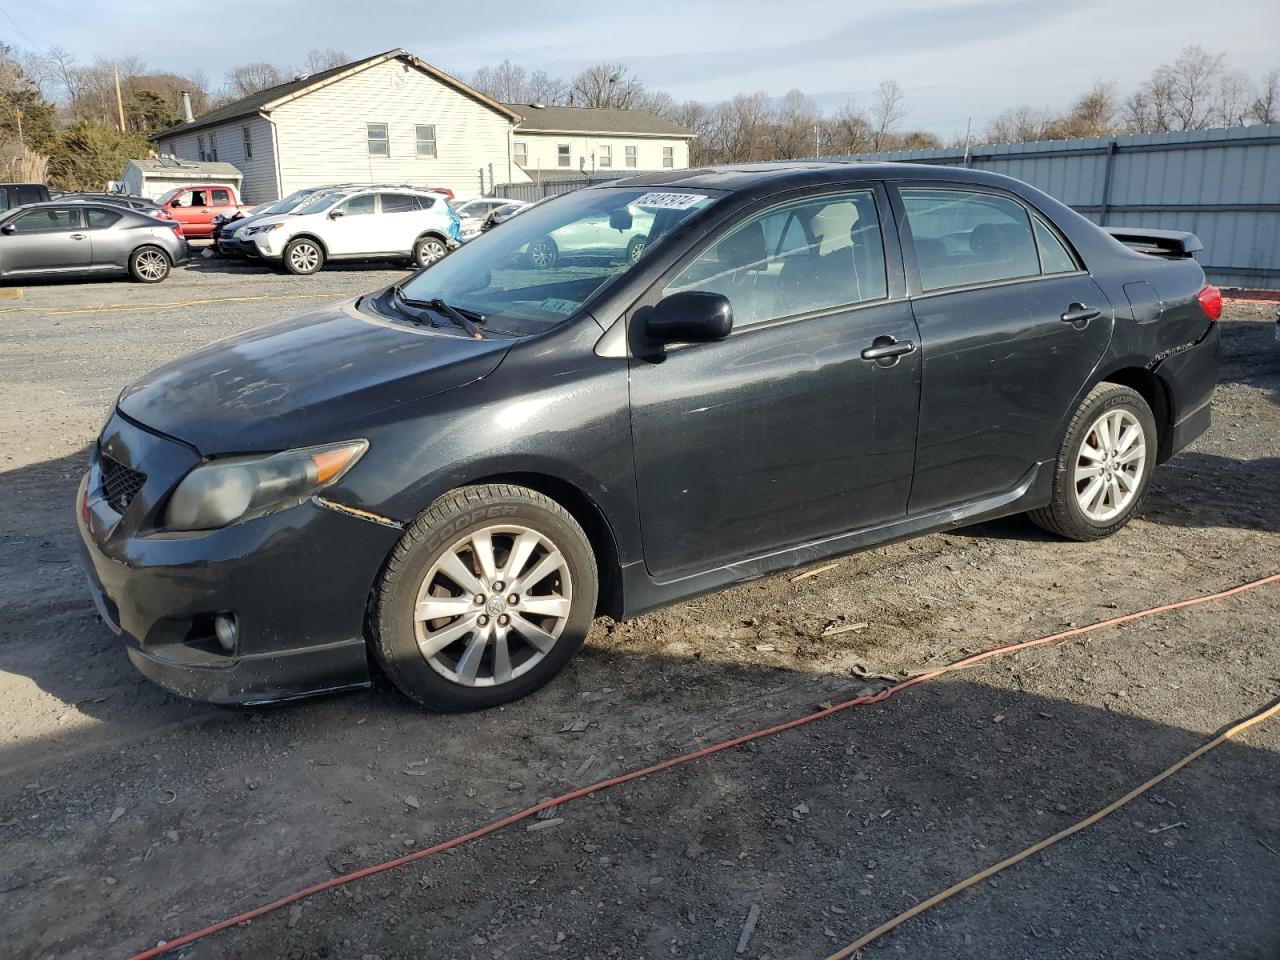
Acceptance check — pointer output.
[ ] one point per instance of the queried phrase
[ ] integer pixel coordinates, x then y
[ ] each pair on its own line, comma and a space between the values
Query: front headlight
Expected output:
266, 229
226, 491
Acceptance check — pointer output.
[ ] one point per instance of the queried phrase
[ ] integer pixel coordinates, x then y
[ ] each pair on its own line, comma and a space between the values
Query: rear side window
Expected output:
28, 193
398, 203
1054, 257
101, 219
805, 256
221, 198
963, 238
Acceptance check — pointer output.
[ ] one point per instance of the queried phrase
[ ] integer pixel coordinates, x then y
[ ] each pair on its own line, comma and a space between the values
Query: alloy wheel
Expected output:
1109, 467
493, 605
304, 257
429, 251
636, 251
151, 264
542, 254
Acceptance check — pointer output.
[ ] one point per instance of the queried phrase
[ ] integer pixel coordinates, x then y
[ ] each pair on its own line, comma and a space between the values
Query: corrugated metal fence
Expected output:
553, 186
1224, 185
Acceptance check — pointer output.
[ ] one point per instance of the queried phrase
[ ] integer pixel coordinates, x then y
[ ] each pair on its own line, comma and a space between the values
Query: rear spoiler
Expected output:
1174, 244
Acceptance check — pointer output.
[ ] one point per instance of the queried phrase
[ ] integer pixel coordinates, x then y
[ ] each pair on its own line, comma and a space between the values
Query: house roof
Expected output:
266, 100
189, 169
636, 123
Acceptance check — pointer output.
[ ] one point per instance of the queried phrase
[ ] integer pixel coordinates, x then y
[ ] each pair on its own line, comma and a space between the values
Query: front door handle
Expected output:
888, 349
77, 236
1079, 313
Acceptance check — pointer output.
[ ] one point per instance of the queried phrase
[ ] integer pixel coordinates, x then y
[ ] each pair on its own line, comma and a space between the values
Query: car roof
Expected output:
781, 174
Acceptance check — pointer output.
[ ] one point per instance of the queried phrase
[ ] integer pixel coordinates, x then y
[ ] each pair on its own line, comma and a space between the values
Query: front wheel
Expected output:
543, 253
635, 248
303, 256
486, 598
149, 265
1104, 466
428, 250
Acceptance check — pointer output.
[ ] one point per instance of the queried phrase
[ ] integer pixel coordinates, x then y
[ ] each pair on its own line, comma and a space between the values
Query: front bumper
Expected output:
296, 583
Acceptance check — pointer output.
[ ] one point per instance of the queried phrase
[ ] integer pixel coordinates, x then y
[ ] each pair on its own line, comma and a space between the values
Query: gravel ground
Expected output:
128, 815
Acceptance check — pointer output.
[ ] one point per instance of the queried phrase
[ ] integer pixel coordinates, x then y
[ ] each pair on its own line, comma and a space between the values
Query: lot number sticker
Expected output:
668, 201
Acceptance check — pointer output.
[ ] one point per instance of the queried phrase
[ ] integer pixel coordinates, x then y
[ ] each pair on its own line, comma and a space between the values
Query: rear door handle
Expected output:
1079, 313
888, 348
77, 236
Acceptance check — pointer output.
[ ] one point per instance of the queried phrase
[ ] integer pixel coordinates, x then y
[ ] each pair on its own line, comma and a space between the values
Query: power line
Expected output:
22, 33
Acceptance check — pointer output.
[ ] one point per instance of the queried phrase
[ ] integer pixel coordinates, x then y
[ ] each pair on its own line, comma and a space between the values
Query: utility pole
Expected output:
817, 149
119, 99
22, 143
967, 127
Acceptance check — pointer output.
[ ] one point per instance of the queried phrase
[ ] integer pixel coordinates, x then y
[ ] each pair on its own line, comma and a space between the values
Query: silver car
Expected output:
53, 238
618, 237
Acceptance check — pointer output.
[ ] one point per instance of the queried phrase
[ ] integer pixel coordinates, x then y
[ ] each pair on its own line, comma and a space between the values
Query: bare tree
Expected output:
888, 107
1266, 105
796, 127
546, 89
1093, 114
849, 131
318, 60
606, 85
1193, 81
250, 78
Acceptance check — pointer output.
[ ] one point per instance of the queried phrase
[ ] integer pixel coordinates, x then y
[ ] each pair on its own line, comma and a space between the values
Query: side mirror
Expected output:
9, 229
335, 214
695, 316
620, 219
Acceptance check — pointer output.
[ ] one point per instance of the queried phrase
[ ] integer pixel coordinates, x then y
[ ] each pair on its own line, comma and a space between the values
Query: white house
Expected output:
153, 178
392, 118
557, 139
389, 118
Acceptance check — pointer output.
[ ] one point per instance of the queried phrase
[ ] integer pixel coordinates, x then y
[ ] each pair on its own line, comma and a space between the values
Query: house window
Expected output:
248, 142
606, 155
520, 151
213, 144
379, 145
426, 140
200, 146
563, 158
668, 156
631, 156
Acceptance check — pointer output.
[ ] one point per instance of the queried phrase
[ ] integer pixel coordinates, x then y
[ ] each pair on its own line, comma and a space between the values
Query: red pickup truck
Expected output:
195, 207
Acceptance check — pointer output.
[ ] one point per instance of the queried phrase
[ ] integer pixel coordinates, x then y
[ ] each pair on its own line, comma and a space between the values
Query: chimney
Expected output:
186, 107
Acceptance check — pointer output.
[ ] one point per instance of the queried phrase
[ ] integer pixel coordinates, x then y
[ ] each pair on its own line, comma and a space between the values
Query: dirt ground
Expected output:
128, 816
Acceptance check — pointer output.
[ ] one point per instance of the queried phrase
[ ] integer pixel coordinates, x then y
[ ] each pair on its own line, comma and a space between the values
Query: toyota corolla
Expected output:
452, 477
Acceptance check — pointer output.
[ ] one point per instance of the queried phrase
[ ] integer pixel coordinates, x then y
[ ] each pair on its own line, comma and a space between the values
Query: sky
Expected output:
956, 59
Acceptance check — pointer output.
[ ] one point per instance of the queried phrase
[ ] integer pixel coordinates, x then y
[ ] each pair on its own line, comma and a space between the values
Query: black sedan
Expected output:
455, 475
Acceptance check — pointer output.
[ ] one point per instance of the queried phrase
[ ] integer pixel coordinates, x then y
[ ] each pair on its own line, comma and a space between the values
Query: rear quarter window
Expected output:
962, 238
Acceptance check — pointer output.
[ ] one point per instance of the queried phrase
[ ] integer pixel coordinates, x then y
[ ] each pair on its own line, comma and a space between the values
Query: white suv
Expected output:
362, 223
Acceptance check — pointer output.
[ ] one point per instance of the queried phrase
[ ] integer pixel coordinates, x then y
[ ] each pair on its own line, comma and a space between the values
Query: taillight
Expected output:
1211, 301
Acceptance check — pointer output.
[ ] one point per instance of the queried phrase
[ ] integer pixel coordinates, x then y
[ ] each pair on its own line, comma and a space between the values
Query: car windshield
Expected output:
543, 265
293, 201
319, 204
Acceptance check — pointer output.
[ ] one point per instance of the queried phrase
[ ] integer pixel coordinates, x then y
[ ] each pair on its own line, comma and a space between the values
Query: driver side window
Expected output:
801, 257
358, 205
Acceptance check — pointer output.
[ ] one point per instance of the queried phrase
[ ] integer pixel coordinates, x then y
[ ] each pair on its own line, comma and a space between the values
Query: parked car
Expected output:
505, 213
73, 238
593, 237
364, 223
222, 220
809, 359
231, 242
142, 205
473, 213
196, 206
16, 194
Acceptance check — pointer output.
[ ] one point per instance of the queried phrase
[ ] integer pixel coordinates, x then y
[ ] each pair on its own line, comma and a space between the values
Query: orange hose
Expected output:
507, 821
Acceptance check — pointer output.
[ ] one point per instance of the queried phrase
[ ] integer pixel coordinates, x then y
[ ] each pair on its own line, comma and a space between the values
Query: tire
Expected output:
303, 256
428, 250
635, 248
1105, 420
452, 662
149, 265
543, 253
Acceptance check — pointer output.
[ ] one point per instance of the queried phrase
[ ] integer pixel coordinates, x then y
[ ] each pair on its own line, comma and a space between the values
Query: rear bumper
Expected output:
1189, 379
295, 582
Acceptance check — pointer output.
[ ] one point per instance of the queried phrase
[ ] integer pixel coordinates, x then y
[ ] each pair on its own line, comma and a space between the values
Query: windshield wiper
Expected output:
416, 315
460, 317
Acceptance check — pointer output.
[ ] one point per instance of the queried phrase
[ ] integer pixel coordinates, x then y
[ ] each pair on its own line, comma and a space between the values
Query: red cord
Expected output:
673, 762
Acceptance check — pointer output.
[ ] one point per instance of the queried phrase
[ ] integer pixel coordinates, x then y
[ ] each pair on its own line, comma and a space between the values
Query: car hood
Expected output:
312, 379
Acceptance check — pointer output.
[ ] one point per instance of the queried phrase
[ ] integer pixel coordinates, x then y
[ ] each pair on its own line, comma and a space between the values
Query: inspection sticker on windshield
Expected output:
669, 201
556, 305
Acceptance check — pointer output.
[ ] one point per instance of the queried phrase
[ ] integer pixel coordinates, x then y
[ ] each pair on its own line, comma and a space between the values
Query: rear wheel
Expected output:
428, 250
485, 599
303, 256
635, 249
1104, 466
543, 253
149, 265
